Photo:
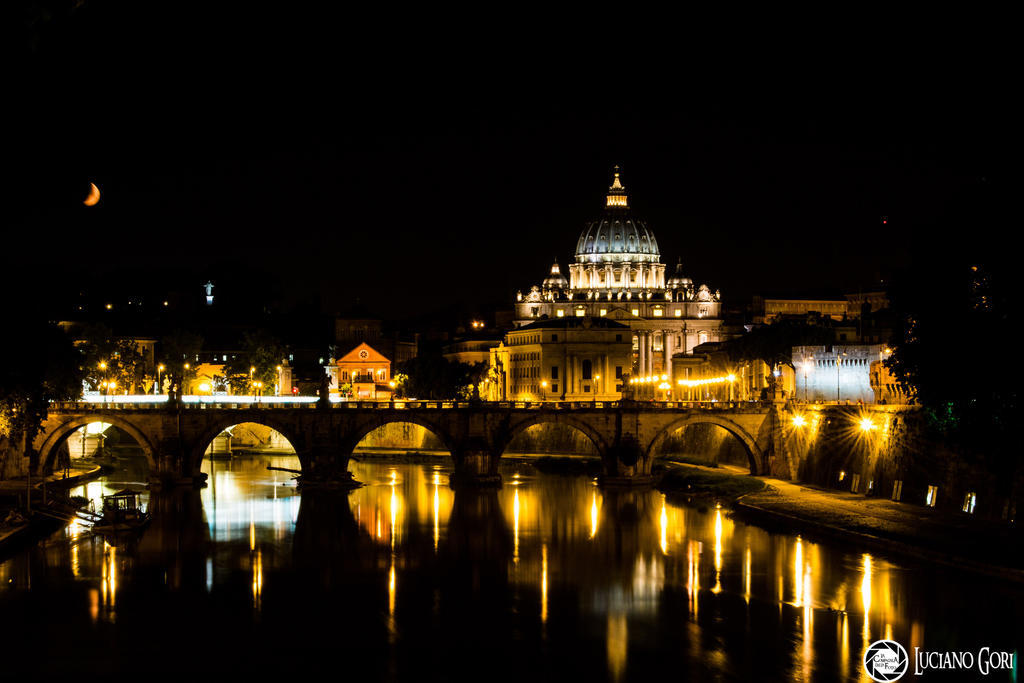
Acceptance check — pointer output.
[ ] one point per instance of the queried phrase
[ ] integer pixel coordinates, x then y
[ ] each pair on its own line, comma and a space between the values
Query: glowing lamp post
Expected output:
839, 361
807, 366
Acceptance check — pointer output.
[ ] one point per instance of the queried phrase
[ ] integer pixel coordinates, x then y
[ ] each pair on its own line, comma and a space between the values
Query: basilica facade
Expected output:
618, 274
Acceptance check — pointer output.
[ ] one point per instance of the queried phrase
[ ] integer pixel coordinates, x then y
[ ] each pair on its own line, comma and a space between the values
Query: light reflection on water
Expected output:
545, 567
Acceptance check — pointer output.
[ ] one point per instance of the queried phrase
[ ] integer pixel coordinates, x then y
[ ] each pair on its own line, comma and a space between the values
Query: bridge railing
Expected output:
270, 404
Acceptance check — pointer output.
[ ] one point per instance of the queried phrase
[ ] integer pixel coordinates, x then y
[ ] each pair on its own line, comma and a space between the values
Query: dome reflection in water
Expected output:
406, 578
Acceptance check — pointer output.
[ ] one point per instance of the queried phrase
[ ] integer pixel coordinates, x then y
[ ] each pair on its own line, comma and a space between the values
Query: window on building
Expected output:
534, 311
603, 312
554, 372
586, 369
580, 312
636, 311
659, 342
618, 372
618, 337
702, 337
658, 312
586, 388
560, 313
679, 313
636, 343
554, 337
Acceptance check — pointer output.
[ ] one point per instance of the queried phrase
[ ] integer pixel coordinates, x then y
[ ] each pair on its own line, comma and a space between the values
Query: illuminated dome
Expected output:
555, 280
678, 279
617, 236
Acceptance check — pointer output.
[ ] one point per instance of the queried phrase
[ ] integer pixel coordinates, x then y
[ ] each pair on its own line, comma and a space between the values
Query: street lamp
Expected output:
807, 366
839, 361
159, 382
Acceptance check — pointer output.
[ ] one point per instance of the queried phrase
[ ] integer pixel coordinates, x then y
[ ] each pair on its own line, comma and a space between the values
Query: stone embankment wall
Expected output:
402, 435
706, 443
552, 438
542, 438
869, 449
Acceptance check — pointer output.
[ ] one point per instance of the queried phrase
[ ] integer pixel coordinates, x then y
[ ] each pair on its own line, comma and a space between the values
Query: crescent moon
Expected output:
94, 195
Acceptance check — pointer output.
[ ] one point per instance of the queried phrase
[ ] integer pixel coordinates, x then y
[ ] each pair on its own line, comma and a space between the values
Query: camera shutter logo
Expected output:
885, 660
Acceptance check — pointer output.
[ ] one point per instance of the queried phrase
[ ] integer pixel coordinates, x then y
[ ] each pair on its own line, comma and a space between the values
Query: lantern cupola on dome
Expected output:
555, 280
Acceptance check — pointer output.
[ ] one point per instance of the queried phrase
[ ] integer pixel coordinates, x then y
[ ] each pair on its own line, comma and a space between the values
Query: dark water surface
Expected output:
549, 577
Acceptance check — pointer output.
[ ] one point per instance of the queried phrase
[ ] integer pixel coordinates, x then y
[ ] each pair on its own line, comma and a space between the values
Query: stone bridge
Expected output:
626, 434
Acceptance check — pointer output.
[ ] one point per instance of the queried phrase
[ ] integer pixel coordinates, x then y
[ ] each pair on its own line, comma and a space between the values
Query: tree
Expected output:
108, 358
262, 354
774, 343
40, 365
946, 312
473, 378
178, 352
430, 375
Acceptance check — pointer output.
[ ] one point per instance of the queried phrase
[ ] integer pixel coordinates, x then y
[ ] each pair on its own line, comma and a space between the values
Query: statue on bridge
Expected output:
324, 391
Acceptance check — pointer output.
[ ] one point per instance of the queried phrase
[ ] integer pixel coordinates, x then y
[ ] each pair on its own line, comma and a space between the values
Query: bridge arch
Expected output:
520, 426
197, 449
755, 456
58, 435
352, 435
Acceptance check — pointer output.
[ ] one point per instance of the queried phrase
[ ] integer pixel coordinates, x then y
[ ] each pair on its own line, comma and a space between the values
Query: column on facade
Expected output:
647, 353
650, 352
641, 368
668, 337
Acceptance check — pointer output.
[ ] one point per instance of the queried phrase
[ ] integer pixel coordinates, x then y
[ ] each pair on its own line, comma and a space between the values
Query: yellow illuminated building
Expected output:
565, 359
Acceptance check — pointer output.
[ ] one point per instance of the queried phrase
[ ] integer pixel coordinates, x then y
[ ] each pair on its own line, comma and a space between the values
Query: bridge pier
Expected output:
475, 467
625, 465
326, 466
778, 460
174, 467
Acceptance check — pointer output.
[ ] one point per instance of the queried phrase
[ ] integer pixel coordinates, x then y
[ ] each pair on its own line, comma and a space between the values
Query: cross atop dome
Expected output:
617, 193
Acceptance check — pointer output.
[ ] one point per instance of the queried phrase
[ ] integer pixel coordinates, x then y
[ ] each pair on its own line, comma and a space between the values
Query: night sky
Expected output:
418, 165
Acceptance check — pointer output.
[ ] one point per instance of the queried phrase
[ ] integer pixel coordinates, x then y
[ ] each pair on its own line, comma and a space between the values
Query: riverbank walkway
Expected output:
76, 476
951, 538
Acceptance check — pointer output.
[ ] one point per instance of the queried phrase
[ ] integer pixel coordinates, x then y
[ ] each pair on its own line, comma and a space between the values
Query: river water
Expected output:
548, 577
